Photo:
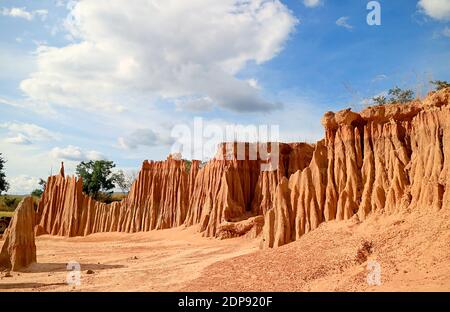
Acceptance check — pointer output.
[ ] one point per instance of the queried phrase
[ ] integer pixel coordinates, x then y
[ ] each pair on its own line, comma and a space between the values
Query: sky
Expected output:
117, 80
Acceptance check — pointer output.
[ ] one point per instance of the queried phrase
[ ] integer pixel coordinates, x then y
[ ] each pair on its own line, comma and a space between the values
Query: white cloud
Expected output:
379, 77
343, 22
41, 13
23, 13
18, 139
168, 49
144, 137
74, 153
199, 104
22, 184
312, 3
254, 84
27, 133
437, 9
35, 106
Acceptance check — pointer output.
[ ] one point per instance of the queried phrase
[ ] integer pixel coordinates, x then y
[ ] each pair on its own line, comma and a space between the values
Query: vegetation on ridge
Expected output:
398, 95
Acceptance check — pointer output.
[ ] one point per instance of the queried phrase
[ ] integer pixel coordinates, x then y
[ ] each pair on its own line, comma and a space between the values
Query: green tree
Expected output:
401, 96
440, 84
380, 100
42, 184
122, 181
4, 185
97, 176
39, 191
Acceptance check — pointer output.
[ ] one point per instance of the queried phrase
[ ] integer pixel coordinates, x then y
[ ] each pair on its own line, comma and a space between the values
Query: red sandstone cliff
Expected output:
383, 159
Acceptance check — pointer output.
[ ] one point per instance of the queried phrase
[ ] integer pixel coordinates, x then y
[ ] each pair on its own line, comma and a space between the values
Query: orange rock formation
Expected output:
158, 199
383, 159
19, 249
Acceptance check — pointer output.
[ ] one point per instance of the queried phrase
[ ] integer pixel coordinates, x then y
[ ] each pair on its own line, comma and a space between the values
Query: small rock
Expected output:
134, 258
90, 272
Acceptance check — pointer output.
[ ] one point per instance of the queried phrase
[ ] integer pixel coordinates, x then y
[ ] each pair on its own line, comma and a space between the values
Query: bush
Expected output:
37, 193
109, 198
401, 96
380, 100
440, 84
397, 95
10, 202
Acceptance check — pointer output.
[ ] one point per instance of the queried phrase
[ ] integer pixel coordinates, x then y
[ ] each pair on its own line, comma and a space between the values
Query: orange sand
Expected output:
413, 250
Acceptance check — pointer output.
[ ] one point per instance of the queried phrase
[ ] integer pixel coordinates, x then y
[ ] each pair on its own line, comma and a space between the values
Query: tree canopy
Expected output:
4, 185
39, 191
97, 177
440, 84
397, 95
124, 181
401, 96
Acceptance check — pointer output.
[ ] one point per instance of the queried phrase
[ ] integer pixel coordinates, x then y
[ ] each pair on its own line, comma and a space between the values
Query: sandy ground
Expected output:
153, 261
411, 249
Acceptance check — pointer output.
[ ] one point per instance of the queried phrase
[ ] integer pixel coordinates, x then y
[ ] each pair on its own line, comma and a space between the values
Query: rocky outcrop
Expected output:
231, 189
158, 199
19, 248
225, 193
383, 159
250, 228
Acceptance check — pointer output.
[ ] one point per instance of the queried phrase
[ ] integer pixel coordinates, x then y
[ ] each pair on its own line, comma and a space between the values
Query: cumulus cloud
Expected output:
27, 133
23, 13
168, 49
343, 22
23, 184
74, 153
144, 137
437, 9
312, 3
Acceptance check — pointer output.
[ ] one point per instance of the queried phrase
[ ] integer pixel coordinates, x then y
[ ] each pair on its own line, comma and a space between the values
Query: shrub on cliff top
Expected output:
397, 95
440, 84
400, 96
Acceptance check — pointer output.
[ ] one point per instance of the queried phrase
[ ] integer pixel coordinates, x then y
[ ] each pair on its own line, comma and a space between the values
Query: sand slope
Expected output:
413, 251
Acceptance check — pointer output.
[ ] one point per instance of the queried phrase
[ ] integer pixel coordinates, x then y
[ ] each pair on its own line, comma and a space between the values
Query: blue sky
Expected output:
111, 79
